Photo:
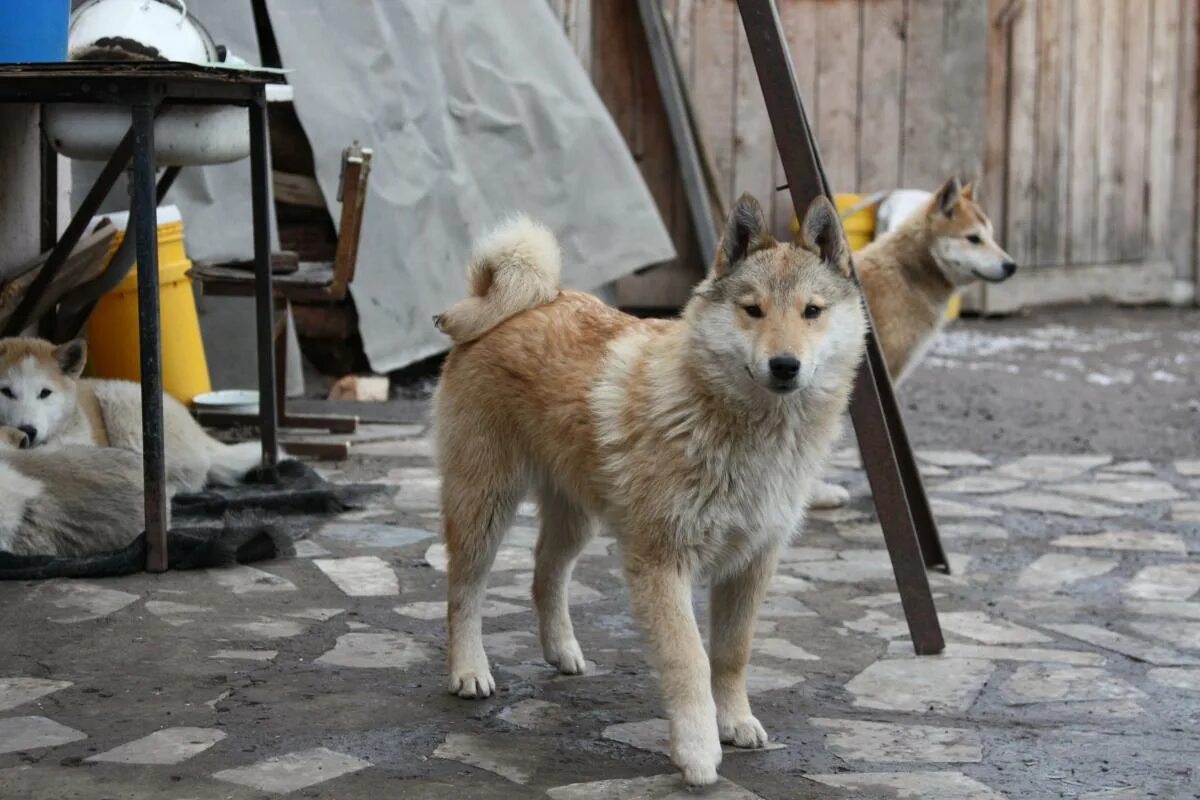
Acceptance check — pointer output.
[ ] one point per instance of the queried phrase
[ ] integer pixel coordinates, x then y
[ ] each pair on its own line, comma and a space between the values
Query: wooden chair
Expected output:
301, 282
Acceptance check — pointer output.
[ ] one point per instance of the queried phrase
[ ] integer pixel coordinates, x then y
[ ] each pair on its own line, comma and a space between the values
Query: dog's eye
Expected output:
974, 239
812, 312
44, 393
753, 311
7, 392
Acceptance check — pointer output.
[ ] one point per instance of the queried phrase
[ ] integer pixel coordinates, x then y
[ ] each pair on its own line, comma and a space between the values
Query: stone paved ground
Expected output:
1062, 455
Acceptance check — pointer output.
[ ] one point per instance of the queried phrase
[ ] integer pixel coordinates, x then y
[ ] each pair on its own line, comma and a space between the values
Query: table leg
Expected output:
145, 228
263, 293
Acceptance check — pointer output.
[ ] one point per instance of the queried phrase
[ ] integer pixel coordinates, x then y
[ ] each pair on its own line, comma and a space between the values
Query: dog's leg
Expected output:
566, 528
734, 606
661, 595
476, 514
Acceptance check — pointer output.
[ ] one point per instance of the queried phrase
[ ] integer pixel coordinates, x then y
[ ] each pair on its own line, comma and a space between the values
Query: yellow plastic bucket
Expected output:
112, 331
859, 227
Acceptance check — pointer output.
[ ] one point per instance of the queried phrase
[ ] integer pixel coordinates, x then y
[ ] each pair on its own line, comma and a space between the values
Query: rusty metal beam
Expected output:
887, 455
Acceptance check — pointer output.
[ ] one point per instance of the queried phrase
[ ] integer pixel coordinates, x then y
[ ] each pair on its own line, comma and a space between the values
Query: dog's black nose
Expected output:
784, 368
29, 431
1009, 268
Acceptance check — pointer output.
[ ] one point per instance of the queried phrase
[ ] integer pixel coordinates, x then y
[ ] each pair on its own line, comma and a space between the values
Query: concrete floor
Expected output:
1062, 455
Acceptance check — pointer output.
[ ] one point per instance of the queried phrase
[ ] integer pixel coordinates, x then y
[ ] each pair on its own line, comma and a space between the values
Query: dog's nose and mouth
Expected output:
1007, 269
30, 434
784, 369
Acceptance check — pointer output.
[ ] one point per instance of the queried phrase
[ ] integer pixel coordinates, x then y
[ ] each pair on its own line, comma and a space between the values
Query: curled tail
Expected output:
513, 268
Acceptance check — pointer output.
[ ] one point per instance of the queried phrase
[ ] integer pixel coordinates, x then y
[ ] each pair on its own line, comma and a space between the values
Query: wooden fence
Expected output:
1080, 115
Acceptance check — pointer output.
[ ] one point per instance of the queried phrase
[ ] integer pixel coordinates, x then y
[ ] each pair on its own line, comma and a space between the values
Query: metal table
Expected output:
145, 88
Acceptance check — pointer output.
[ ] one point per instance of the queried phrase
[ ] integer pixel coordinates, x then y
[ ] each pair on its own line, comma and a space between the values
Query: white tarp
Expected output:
475, 109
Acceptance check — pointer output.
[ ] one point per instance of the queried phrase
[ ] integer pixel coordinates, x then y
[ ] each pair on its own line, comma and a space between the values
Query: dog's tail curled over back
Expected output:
515, 267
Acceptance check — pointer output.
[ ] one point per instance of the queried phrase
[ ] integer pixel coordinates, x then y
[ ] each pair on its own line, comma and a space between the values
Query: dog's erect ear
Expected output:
746, 232
969, 190
947, 196
71, 357
822, 234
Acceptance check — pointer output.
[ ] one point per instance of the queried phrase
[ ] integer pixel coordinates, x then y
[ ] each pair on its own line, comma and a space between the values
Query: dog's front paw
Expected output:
744, 732
472, 685
828, 495
473, 682
696, 750
567, 656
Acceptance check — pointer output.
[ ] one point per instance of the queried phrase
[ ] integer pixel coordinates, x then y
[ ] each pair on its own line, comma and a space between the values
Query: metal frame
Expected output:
144, 89
900, 500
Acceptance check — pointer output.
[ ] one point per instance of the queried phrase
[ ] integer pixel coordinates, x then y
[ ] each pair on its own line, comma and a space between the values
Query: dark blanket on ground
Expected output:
240, 527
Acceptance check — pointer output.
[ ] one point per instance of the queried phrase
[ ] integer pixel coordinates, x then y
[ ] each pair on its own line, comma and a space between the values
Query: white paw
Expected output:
699, 768
744, 732
828, 495
567, 656
696, 750
473, 681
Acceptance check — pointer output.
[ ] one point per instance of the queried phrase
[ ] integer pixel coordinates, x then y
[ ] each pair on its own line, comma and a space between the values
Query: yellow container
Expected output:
953, 308
112, 331
859, 227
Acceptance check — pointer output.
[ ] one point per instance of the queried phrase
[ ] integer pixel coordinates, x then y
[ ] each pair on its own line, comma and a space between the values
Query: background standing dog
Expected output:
695, 440
910, 274
42, 395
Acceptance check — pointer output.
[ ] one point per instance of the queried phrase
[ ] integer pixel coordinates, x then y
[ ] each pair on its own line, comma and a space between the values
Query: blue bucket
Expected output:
33, 30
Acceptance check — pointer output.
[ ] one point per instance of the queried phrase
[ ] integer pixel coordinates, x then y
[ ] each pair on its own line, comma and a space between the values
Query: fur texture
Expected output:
69, 501
42, 394
695, 440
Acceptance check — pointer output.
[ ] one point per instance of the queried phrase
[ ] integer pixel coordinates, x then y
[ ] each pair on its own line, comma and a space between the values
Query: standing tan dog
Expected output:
695, 440
909, 276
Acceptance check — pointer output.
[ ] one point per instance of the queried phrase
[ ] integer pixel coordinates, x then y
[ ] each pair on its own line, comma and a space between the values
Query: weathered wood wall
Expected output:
1080, 115
1091, 148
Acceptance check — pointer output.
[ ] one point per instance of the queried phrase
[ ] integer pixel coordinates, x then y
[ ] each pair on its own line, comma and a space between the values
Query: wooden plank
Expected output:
1082, 247
714, 40
881, 64
1022, 133
1110, 172
1053, 131
1185, 223
1137, 283
1134, 136
964, 86
799, 18
836, 123
924, 127
695, 211
995, 139
753, 141
1161, 169
85, 263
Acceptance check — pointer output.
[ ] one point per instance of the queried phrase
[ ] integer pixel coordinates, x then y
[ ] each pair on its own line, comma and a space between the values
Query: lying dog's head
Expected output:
779, 317
38, 385
962, 242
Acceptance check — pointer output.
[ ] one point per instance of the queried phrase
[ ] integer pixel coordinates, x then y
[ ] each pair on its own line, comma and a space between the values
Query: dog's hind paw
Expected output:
828, 495
472, 685
747, 732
